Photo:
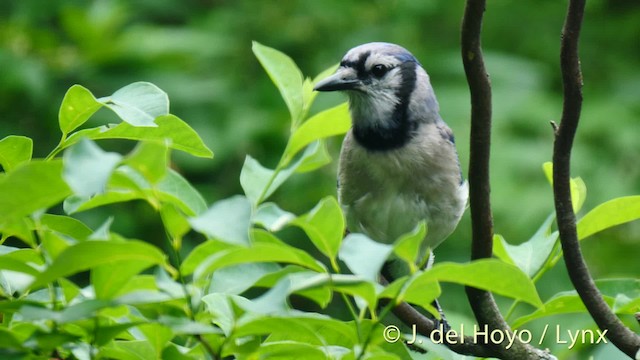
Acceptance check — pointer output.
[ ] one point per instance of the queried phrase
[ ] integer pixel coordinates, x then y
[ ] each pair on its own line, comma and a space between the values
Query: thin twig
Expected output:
482, 303
623, 338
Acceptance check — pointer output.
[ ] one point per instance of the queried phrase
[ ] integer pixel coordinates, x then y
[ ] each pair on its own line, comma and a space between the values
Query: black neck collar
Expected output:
400, 129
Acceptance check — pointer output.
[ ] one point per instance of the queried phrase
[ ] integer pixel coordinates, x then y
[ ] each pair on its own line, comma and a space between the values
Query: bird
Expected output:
398, 163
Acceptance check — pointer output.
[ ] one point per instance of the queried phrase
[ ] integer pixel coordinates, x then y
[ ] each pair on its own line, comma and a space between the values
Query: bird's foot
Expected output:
443, 327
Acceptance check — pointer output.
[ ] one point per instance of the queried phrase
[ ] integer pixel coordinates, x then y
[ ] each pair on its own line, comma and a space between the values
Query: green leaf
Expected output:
105, 333
578, 193
174, 221
168, 285
407, 247
87, 168
108, 280
158, 336
65, 225
531, 255
417, 289
184, 326
348, 284
259, 236
259, 183
128, 350
578, 187
150, 159
236, 279
182, 136
289, 350
9, 341
75, 312
103, 232
91, 254
138, 104
354, 286
331, 122
201, 253
319, 158
312, 328
177, 352
126, 184
226, 220
611, 213
271, 217
487, 274
25, 255
324, 225
626, 292
13, 282
561, 303
145, 297
500, 251
364, 256
69, 289
305, 283
273, 301
7, 262
261, 252
626, 305
138, 283
54, 243
15, 150
285, 75
33, 186
308, 93
175, 189
220, 307
422, 294
82, 310
254, 179
77, 107
74, 204
20, 228
269, 280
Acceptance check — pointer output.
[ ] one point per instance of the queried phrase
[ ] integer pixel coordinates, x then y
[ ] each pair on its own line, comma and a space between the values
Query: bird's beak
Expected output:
343, 79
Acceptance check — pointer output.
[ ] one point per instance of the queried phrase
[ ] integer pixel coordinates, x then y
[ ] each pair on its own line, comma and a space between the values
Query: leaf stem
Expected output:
190, 309
263, 194
549, 264
58, 147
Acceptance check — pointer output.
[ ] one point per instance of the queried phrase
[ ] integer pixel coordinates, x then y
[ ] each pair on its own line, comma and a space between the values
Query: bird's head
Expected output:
375, 70
389, 92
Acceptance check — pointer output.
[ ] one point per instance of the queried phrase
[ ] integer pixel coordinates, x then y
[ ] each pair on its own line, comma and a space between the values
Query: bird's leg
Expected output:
443, 319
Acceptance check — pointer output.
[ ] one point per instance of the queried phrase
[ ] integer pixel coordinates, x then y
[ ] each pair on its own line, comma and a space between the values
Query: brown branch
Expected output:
623, 338
425, 327
482, 303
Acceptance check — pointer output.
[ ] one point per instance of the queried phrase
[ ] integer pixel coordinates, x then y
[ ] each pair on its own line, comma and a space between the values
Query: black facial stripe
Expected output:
407, 85
401, 129
358, 65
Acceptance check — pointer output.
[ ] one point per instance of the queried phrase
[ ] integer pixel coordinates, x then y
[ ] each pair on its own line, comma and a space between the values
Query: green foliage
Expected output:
71, 291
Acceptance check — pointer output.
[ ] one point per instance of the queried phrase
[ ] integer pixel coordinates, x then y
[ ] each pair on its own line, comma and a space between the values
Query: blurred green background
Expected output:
199, 52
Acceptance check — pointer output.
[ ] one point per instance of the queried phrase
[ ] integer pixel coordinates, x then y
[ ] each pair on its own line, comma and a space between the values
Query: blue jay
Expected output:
398, 164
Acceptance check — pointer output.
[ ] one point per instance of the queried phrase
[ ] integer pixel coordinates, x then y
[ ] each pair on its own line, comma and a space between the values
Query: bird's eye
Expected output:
379, 70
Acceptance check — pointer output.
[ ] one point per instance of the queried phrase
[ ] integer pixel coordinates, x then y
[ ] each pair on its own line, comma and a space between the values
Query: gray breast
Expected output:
386, 194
